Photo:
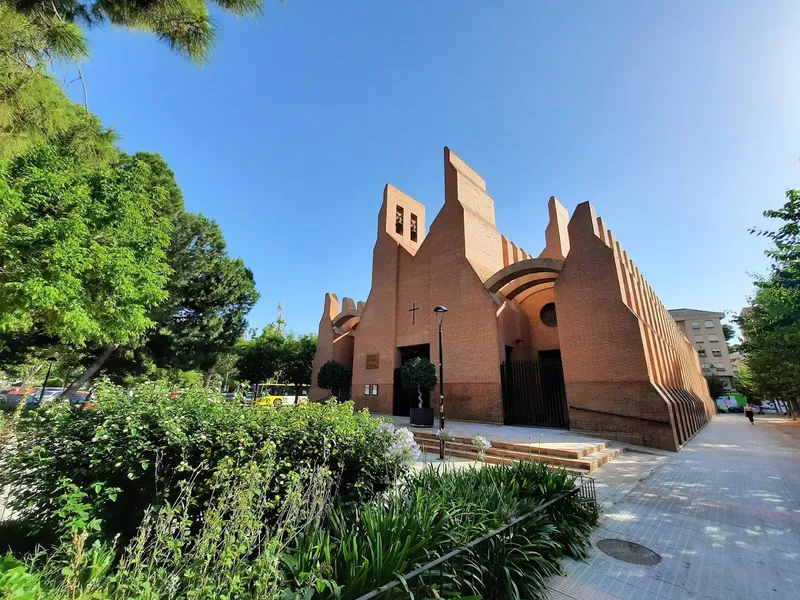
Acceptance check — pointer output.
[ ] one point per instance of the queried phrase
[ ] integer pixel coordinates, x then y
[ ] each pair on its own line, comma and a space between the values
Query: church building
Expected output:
573, 336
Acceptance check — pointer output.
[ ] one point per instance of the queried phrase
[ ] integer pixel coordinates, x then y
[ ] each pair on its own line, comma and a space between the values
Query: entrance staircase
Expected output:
578, 458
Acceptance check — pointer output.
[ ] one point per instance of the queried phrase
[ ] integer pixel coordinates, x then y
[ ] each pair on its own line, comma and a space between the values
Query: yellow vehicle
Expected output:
280, 394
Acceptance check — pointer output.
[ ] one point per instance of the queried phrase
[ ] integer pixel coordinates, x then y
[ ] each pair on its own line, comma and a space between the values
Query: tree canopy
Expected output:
772, 327
260, 357
728, 331
82, 252
297, 359
98, 253
185, 26
33, 108
331, 376
418, 375
209, 296
716, 386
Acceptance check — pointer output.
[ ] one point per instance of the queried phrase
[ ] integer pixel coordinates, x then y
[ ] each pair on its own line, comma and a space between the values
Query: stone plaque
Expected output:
373, 361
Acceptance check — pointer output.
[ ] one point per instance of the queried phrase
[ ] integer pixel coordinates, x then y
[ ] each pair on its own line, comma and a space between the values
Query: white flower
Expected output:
444, 434
404, 448
386, 427
482, 443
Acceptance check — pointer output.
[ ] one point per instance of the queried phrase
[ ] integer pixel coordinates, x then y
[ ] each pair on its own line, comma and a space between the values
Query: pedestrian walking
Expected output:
748, 410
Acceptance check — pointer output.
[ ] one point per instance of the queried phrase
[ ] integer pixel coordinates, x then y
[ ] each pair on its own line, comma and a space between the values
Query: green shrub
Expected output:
433, 513
226, 552
311, 548
129, 453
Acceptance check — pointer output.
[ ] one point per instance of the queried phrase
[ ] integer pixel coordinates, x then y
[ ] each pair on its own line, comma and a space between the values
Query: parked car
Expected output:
15, 395
50, 393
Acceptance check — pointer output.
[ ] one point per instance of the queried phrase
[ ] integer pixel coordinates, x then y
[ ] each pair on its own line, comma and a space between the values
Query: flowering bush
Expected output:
149, 445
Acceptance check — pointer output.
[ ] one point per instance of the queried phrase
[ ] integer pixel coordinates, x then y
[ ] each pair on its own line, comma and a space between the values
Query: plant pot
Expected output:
422, 417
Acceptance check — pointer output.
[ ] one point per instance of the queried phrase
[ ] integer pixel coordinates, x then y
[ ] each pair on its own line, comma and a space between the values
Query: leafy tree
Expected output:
772, 327
745, 383
716, 386
224, 371
260, 358
209, 295
35, 112
161, 178
728, 331
297, 359
185, 26
331, 376
418, 375
82, 252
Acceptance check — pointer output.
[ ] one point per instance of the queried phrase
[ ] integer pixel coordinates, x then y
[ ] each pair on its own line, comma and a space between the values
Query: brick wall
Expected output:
627, 369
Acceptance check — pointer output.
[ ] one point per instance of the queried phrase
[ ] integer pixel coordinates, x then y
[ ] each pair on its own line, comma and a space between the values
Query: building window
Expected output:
398, 221
719, 366
709, 324
713, 339
374, 389
698, 339
366, 389
695, 324
413, 227
701, 353
705, 366
716, 352
548, 315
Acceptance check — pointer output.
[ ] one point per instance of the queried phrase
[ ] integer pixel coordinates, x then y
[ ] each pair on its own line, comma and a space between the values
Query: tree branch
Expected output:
77, 64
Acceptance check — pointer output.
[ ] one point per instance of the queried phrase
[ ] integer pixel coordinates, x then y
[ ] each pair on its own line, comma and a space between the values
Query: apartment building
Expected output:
703, 328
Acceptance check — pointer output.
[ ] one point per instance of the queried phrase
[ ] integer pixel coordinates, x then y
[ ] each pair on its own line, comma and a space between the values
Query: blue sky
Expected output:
678, 120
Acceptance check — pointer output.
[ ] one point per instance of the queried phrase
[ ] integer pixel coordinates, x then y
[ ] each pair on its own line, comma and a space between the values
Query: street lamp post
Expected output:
440, 310
50, 361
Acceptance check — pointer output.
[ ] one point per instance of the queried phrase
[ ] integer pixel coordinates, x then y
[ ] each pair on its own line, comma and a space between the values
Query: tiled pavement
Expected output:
724, 514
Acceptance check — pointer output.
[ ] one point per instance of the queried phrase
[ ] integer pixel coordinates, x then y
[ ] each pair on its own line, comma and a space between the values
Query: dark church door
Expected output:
534, 392
403, 400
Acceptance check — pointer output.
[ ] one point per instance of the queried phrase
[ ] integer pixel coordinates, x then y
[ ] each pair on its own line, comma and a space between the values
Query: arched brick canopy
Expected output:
344, 316
515, 290
522, 268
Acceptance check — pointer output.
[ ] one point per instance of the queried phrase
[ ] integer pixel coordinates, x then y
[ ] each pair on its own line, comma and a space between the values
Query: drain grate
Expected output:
629, 552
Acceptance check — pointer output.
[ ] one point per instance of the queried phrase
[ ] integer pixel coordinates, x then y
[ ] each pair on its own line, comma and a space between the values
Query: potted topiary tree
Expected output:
419, 375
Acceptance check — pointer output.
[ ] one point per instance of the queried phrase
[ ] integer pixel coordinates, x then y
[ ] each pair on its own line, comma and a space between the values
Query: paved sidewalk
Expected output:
724, 514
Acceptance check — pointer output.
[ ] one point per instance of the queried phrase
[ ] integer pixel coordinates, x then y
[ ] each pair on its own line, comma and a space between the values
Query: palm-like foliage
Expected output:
430, 514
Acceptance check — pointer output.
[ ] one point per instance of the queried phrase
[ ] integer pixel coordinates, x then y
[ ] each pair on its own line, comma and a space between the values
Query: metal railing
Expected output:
450, 572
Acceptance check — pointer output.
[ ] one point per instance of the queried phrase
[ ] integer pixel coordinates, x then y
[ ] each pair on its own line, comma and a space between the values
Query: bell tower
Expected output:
403, 218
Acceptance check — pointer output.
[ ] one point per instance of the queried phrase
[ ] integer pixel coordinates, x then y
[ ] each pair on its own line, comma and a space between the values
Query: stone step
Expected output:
510, 461
573, 450
507, 453
513, 456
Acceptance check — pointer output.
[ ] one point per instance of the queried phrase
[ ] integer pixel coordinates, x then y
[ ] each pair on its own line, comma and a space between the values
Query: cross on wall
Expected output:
413, 310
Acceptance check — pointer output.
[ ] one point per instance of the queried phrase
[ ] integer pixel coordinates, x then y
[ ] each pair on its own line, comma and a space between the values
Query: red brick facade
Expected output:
630, 374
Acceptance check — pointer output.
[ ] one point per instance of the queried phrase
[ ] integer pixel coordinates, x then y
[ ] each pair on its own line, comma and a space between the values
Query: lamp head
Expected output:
52, 359
440, 310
